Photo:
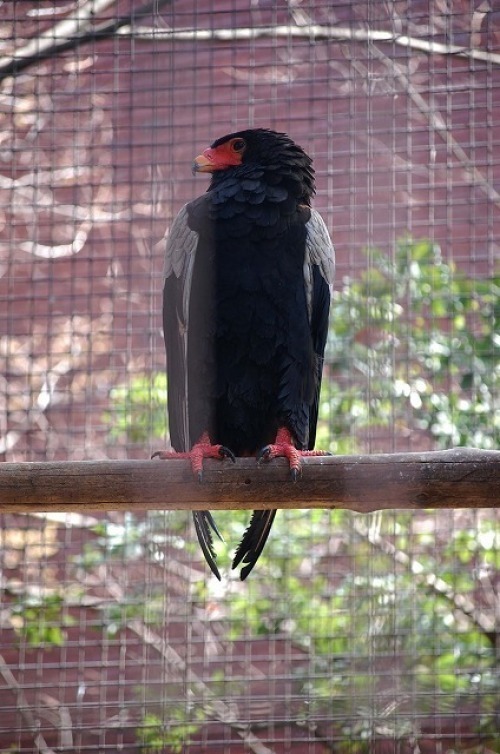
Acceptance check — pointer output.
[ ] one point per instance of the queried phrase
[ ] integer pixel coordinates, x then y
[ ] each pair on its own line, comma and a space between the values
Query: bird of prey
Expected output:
248, 270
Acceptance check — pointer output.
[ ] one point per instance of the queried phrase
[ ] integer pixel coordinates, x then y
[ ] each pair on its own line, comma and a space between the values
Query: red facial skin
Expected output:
219, 158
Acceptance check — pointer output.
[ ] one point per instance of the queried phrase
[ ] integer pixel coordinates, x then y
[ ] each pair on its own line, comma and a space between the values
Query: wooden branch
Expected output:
460, 478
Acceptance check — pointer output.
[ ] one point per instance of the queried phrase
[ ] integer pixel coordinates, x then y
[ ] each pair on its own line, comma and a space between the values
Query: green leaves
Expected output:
156, 736
138, 409
40, 620
414, 345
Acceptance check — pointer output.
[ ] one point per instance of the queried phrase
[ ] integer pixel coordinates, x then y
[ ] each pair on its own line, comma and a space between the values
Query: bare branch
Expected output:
78, 30
53, 40
314, 32
440, 127
24, 708
71, 33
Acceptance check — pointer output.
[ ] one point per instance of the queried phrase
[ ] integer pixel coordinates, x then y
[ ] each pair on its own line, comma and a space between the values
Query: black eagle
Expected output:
248, 270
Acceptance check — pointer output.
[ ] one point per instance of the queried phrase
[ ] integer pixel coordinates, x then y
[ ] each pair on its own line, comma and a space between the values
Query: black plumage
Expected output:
248, 267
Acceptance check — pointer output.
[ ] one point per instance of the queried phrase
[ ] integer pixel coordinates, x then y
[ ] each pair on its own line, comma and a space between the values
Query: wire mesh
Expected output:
354, 634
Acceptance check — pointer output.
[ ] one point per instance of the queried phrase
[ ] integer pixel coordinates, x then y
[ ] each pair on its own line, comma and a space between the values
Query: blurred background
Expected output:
355, 633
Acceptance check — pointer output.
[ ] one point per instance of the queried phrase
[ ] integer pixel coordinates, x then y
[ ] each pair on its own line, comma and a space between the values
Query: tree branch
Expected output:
314, 32
460, 478
438, 124
71, 33
24, 708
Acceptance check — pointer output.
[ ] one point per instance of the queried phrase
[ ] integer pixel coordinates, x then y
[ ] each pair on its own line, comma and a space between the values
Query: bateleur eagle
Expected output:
248, 270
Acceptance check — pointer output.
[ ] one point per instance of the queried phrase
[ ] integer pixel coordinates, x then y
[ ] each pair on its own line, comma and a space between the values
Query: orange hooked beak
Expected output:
203, 163
218, 158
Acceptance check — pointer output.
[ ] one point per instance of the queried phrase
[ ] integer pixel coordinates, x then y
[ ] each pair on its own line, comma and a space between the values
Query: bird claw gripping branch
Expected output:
283, 447
200, 450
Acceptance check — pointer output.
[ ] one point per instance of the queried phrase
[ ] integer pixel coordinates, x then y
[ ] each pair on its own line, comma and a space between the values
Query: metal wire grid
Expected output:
112, 636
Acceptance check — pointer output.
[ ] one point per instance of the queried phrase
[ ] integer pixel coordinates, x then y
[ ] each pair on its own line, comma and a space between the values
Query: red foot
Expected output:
283, 447
200, 450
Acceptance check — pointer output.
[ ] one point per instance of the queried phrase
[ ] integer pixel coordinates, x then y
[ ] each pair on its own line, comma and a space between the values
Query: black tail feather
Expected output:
253, 541
204, 524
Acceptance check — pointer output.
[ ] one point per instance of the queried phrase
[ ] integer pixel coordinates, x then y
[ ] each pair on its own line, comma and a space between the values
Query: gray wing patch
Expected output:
180, 253
181, 245
320, 252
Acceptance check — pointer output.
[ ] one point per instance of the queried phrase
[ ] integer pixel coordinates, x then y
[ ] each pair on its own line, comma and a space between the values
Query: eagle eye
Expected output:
238, 145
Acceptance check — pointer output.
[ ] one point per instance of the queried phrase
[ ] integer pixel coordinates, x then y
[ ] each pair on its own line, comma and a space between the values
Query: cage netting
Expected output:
354, 633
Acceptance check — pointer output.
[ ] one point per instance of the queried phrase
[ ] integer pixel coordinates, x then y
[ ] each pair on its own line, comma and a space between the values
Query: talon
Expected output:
283, 447
264, 455
165, 455
227, 453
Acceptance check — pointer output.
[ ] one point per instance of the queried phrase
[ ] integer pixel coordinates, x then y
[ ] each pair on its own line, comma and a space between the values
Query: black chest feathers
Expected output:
249, 332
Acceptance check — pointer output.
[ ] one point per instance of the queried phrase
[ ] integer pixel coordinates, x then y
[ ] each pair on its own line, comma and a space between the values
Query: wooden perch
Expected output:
460, 478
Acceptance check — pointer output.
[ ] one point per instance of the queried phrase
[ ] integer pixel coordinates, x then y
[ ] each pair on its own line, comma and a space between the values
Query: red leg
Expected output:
200, 450
283, 447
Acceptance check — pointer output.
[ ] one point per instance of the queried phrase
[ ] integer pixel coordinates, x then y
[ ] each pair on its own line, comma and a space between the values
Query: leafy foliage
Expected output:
137, 409
40, 620
414, 346
154, 734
